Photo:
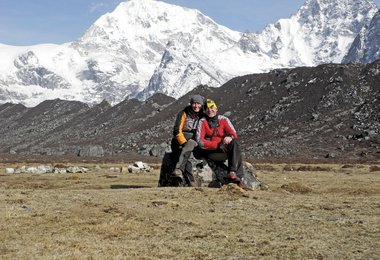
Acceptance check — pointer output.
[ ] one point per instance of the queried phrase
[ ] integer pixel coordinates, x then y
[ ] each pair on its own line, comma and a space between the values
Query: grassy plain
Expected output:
309, 212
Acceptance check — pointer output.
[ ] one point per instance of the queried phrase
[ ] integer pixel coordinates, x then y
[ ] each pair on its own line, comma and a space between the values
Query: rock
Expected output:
219, 175
9, 170
208, 173
22, 169
203, 174
154, 151
39, 169
158, 150
124, 170
60, 170
228, 114
139, 165
91, 151
330, 155
75, 169
133, 169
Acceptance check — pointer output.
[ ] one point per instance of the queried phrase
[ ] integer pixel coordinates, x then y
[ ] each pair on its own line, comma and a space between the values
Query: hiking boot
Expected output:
177, 173
232, 176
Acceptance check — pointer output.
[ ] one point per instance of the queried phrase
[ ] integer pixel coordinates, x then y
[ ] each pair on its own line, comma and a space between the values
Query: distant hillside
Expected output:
307, 113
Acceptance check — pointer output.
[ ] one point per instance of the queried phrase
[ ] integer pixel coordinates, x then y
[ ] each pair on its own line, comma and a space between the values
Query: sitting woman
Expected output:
217, 140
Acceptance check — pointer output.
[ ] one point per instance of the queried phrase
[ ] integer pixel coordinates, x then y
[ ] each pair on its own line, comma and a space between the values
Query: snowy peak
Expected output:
146, 47
327, 12
320, 32
366, 46
139, 36
137, 21
332, 25
169, 46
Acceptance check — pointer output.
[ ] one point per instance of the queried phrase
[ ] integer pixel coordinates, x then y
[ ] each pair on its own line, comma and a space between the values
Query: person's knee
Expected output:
190, 145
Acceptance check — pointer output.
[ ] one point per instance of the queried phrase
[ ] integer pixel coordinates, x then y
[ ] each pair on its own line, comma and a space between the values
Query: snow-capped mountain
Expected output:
366, 46
320, 32
152, 37
148, 46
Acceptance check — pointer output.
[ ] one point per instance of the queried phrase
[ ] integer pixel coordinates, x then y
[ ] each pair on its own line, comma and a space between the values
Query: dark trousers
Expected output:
230, 152
235, 159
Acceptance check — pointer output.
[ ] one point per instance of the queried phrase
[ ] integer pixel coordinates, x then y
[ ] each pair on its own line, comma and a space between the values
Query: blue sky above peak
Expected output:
29, 22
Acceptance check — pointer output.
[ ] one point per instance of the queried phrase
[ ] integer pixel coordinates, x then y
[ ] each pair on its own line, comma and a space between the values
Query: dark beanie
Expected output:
197, 99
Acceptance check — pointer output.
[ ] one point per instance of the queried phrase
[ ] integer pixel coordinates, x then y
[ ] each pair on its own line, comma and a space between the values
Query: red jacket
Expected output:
209, 138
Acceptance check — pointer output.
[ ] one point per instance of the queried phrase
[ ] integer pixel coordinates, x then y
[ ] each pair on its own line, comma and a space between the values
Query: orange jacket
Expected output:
186, 125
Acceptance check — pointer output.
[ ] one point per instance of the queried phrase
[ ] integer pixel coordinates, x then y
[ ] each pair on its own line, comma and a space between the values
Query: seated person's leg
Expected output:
235, 161
184, 156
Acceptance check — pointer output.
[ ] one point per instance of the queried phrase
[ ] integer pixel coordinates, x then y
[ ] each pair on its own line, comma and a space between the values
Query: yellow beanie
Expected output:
210, 103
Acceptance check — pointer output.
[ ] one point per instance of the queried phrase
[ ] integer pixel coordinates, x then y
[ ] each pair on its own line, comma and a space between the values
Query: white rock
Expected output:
133, 169
139, 164
9, 170
60, 170
74, 169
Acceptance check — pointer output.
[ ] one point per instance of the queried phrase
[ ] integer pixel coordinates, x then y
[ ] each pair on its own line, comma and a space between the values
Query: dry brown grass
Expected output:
108, 215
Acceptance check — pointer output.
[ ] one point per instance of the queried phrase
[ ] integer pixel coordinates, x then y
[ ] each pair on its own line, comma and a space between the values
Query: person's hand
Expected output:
227, 140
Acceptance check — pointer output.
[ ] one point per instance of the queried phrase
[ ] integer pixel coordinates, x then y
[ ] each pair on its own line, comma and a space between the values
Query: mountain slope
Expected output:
320, 32
145, 47
366, 46
304, 114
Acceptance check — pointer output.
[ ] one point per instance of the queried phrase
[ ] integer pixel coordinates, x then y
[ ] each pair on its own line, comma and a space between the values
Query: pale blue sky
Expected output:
28, 22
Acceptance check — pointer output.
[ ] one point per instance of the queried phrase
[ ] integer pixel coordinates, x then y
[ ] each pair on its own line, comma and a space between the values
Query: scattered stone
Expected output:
9, 170
330, 155
133, 169
139, 167
42, 169
60, 170
124, 170
76, 169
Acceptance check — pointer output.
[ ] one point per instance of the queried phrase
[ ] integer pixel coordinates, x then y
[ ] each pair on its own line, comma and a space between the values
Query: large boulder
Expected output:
207, 173
91, 151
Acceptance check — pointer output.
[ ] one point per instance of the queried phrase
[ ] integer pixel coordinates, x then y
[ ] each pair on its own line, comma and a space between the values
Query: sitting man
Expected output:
183, 141
216, 136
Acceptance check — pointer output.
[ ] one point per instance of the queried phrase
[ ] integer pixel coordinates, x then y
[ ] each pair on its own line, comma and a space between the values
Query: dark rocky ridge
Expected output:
304, 114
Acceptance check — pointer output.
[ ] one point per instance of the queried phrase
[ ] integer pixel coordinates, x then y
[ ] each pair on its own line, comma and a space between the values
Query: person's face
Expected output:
196, 106
211, 111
